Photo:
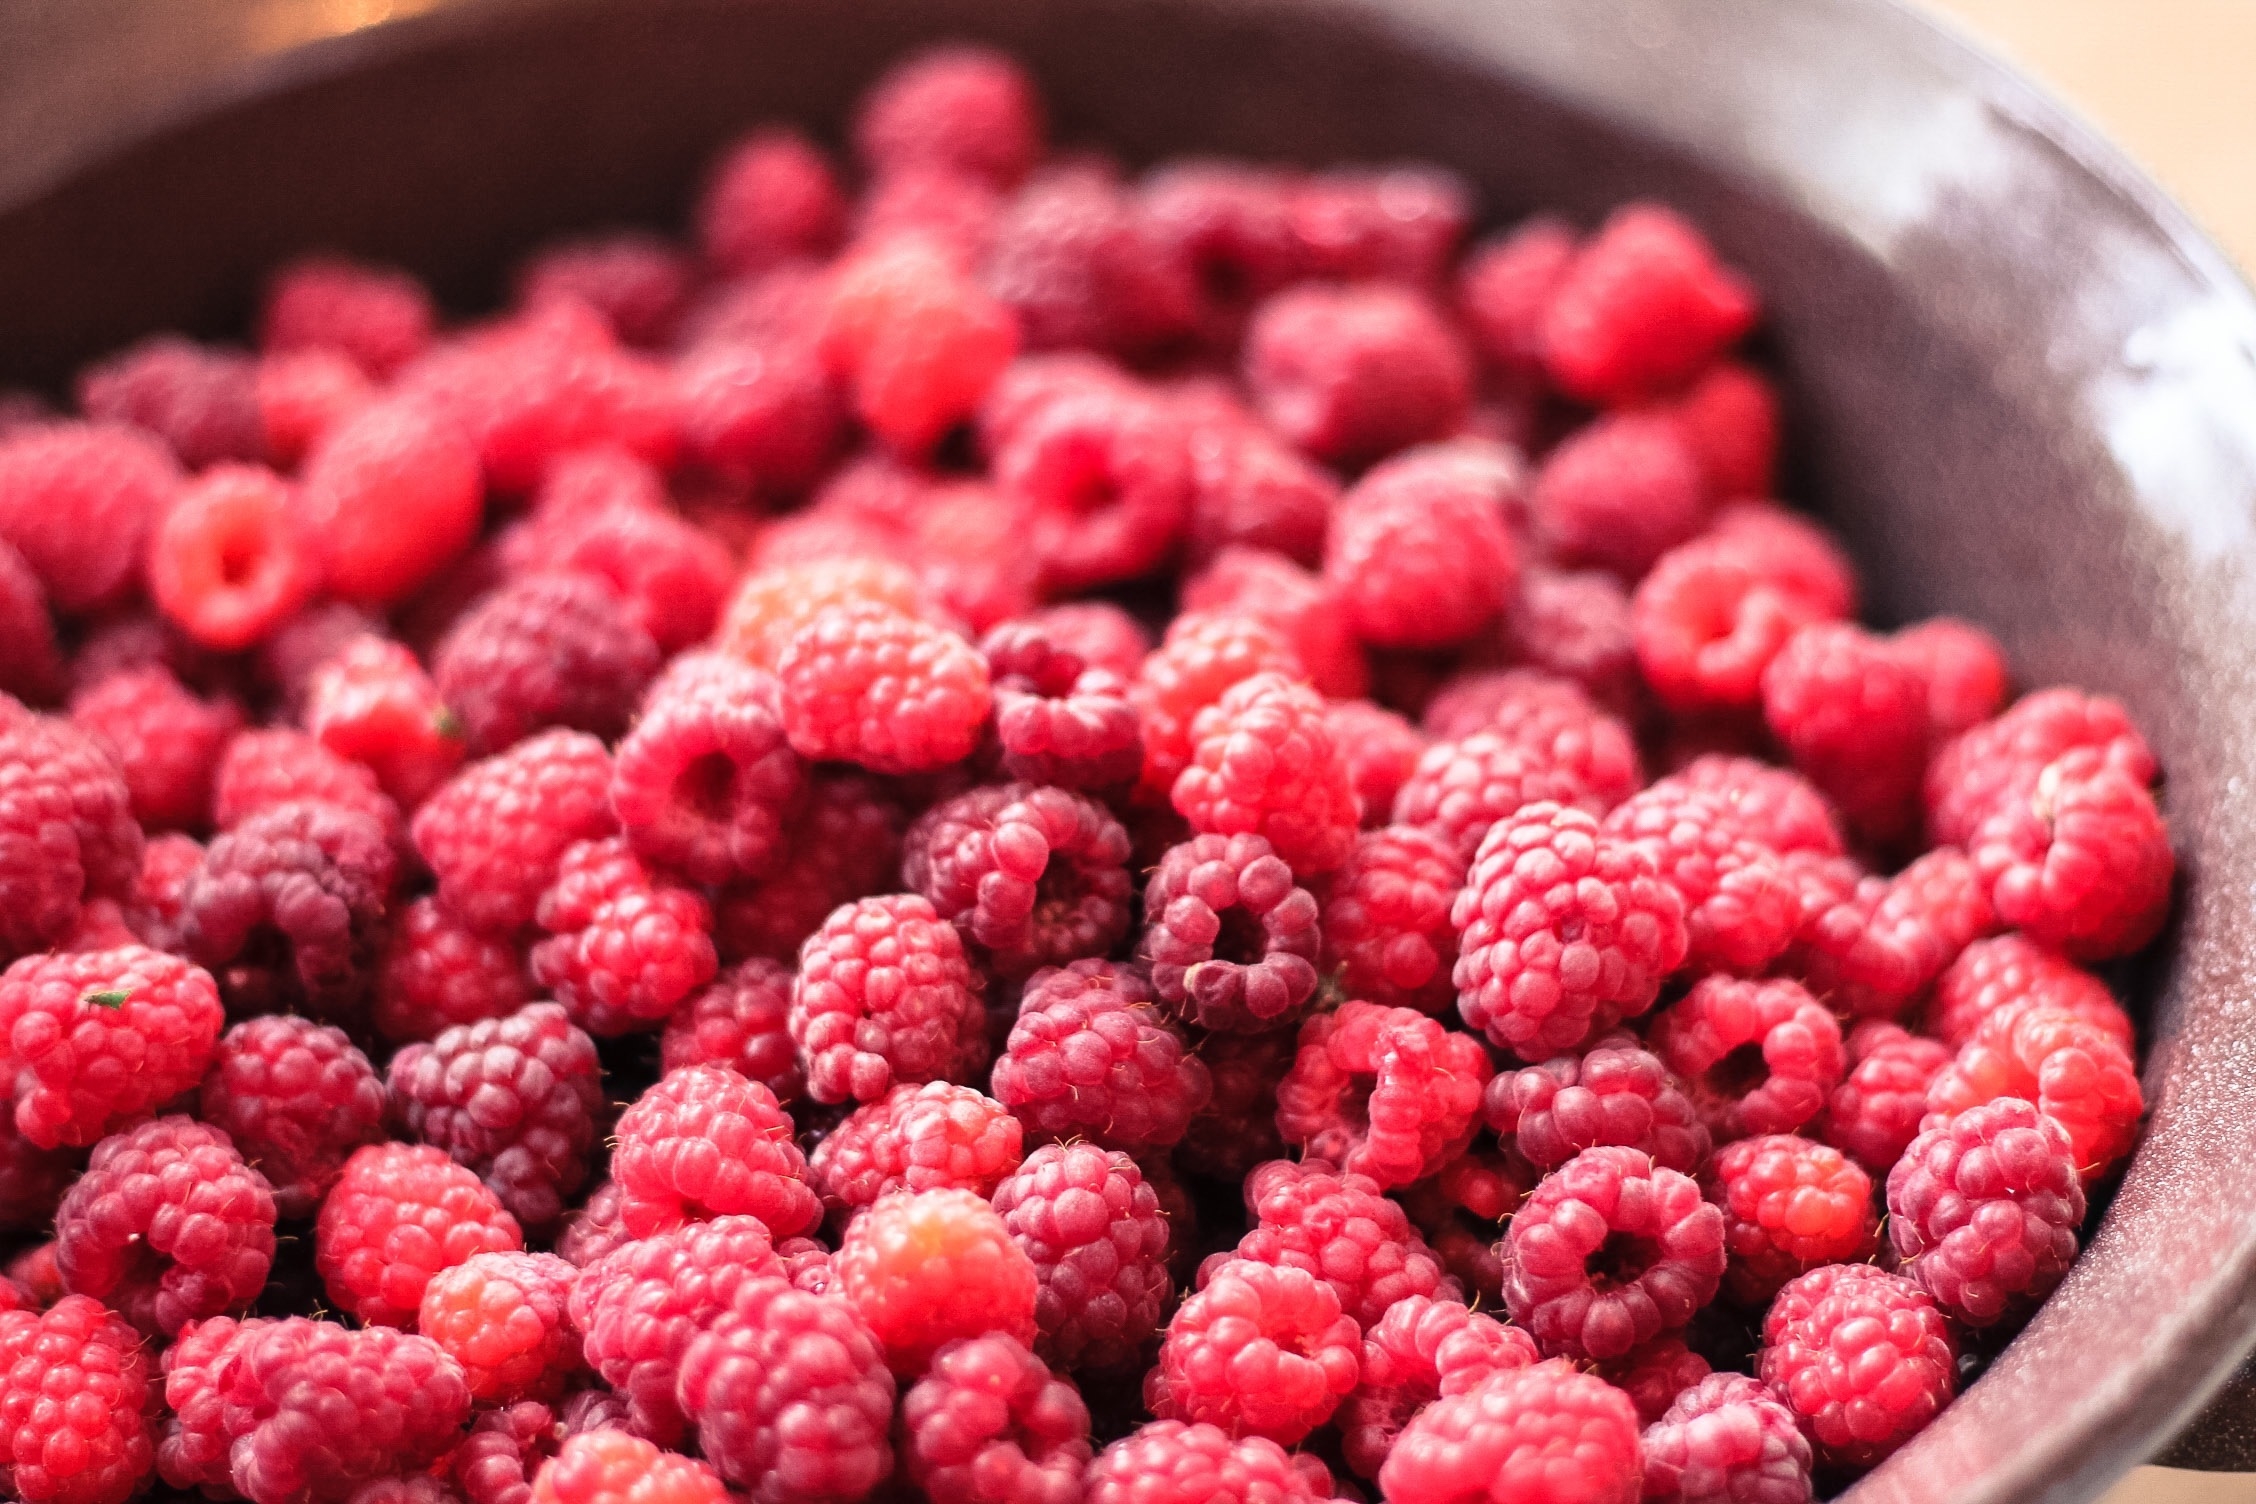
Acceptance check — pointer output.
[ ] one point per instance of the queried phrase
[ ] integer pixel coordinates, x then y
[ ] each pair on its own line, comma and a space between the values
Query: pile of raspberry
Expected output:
1003, 829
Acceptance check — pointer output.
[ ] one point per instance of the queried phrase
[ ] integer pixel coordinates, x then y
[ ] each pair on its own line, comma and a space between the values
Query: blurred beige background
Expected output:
2174, 83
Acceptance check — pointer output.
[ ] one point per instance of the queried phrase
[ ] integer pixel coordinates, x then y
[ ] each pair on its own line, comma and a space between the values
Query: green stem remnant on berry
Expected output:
113, 998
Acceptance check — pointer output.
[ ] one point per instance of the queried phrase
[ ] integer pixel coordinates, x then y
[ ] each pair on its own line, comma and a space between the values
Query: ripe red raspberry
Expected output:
1641, 308
1653, 1374
1263, 763
1576, 625
772, 604
1999, 760
2082, 862
516, 1099
1460, 789
1868, 945
1419, 554
624, 946
1420, 1351
1399, 222
302, 395
200, 400
2074, 1071
1201, 658
1712, 613
1169, 1462
740, 1021
297, 1098
373, 703
1874, 1113
1237, 1128
1059, 720
1381, 750
153, 911
1544, 1432
1613, 1093
1033, 876
502, 1317
1351, 374
1983, 1210
32, 667
1789, 1206
1338, 1228
379, 317
927, 1267
1852, 714
916, 1138
1731, 420
1272, 588
398, 1215
1231, 942
915, 339
1250, 490
543, 650
1861, 1356
90, 1041
79, 1407
1506, 284
1756, 1057
271, 765
497, 1461
1964, 669
1107, 472
437, 972
303, 1412
1727, 1438
969, 109
766, 415
1740, 902
167, 1225
1091, 1055
1386, 923
1383, 1092
1227, 222
594, 1229
990, 1425
772, 197
164, 739
1083, 271
635, 280
1564, 930
66, 826
892, 693
845, 845
638, 1308
885, 995
1620, 493
705, 1142
1093, 1228
605, 513
1261, 1350
495, 832
1539, 710
2009, 974
1609, 1251
78, 501
389, 496
612, 1467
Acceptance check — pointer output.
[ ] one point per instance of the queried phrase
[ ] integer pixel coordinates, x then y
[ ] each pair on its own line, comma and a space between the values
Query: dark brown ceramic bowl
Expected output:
2023, 385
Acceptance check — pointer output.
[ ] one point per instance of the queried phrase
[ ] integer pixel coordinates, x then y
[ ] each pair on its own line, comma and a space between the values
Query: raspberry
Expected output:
927, 1267
624, 947
1852, 713
32, 666
373, 703
1504, 287
1382, 1092
1641, 308
1653, 1374
497, 1461
740, 1021
2073, 1070
1338, 1228
200, 400
916, 1138
1878, 946
885, 995
1381, 750
398, 1215
1789, 1206
1231, 942
1399, 222
636, 281
1248, 490
302, 395
2009, 974
1727, 1438
845, 845
1712, 613
1460, 789
595, 1229
915, 339
1964, 669
705, 1142
639, 1307
969, 109
1540, 711
1034, 876
1263, 763
612, 1467
1564, 930
871, 686
1058, 720
706, 783
1576, 625
1619, 494
989, 1425
1200, 659
1730, 418
1094, 1229
1107, 472
771, 198
1090, 1055
1237, 1128
1543, 1432
1874, 1113
1421, 1350
1272, 588
1228, 223
543, 650
1983, 1210
1999, 761
1861, 1356
494, 834
168, 862
1351, 374
1757, 1056
303, 1412
1169, 1462
389, 495
288, 908
90, 1041
2082, 863
165, 740
1740, 906
502, 1317
438, 972
516, 1099
767, 415
1102, 635
75, 1391
229, 559
297, 1098
1614, 1093
32, 1182
381, 318
1082, 270
66, 828
78, 501
1386, 919
166, 1226
1261, 1350
273, 765
1609, 1251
